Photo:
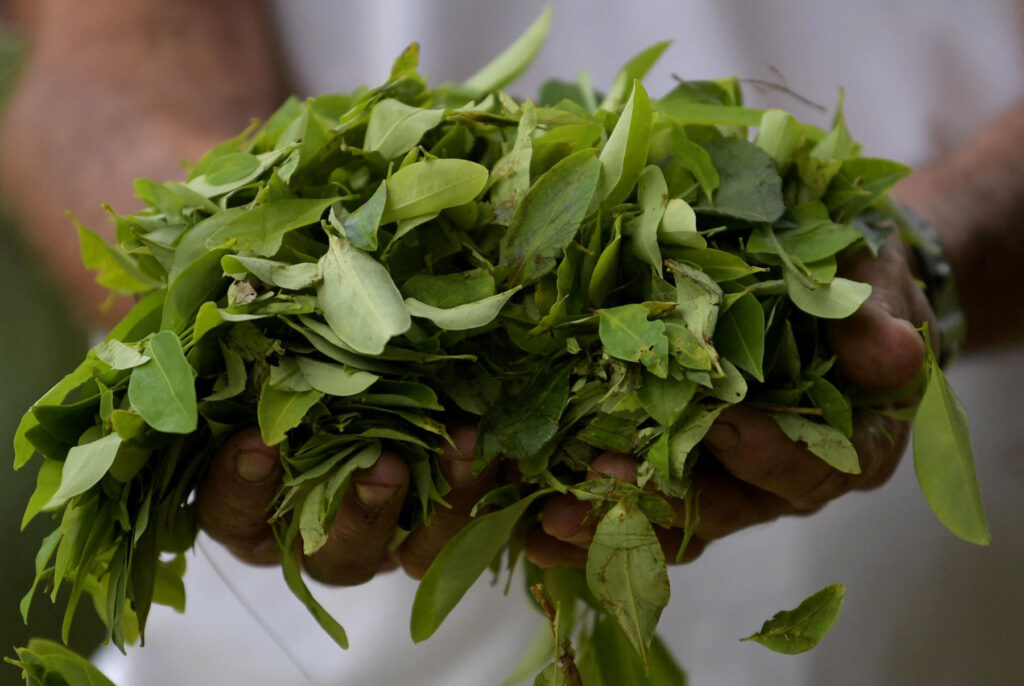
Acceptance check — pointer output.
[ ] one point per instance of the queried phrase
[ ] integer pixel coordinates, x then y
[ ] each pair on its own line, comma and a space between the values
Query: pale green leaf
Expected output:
462, 317
85, 466
395, 128
431, 186
162, 390
279, 411
360, 302
335, 379
625, 153
944, 460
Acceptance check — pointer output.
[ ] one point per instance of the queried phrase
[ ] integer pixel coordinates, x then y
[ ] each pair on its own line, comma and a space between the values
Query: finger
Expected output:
356, 545
880, 442
547, 551
568, 519
571, 520
423, 544
754, 449
236, 493
727, 505
877, 347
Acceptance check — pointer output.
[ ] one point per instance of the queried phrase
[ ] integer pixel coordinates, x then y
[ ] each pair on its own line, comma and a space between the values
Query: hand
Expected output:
759, 474
245, 475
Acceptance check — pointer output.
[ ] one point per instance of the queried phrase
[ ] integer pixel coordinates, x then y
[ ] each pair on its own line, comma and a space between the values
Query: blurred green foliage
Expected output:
40, 342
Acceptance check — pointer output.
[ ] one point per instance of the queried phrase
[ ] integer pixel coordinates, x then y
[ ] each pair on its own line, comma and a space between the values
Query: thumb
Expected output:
234, 497
878, 348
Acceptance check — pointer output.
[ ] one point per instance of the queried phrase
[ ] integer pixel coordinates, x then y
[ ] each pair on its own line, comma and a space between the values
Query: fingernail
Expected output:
373, 496
722, 437
461, 472
254, 466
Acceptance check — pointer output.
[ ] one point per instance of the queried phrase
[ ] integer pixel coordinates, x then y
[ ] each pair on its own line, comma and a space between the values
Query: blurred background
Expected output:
40, 343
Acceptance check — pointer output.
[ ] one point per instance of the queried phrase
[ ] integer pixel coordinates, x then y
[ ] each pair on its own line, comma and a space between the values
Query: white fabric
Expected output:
922, 607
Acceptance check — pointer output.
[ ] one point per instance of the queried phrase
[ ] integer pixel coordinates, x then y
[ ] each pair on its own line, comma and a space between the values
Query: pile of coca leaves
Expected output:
580, 274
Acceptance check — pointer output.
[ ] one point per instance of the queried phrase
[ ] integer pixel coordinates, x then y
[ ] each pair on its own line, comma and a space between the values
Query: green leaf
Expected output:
47, 482
665, 399
823, 440
814, 238
118, 355
732, 387
162, 390
85, 466
836, 300
627, 334
652, 193
634, 70
395, 128
699, 299
624, 155
460, 563
235, 166
520, 426
462, 317
513, 61
835, 407
750, 188
695, 159
260, 230
292, 570
799, 630
450, 290
202, 281
60, 665
548, 218
626, 572
335, 379
779, 135
510, 177
944, 461
694, 425
320, 507
603, 280
706, 114
360, 302
360, 227
860, 182
679, 226
739, 335
115, 269
280, 411
292, 277
431, 186
717, 264
23, 449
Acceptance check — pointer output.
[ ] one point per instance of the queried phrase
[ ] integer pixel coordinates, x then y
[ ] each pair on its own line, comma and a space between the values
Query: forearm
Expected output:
114, 90
975, 200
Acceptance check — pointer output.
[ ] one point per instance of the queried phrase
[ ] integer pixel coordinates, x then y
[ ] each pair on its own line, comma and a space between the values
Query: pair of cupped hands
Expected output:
758, 474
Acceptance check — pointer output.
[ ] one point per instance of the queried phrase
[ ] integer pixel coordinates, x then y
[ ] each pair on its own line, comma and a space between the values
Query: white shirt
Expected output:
922, 607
